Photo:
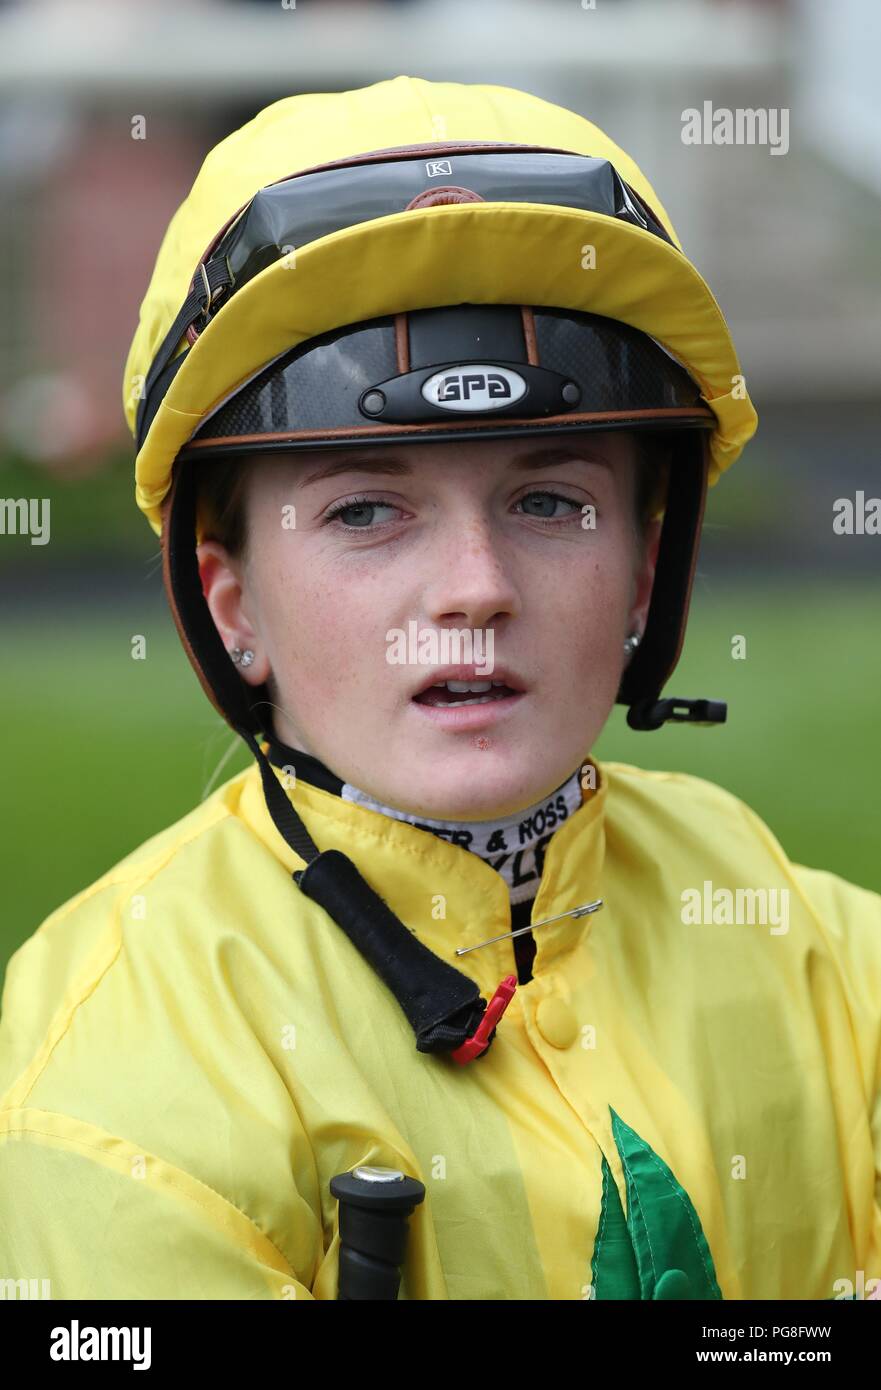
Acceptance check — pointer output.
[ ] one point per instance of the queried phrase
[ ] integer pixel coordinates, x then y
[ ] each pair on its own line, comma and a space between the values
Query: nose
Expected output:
472, 583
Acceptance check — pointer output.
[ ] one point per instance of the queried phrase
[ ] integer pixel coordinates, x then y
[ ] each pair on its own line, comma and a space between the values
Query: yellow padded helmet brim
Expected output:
479, 253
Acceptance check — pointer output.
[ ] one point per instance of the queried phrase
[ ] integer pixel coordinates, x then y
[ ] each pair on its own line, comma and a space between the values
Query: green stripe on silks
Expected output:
613, 1269
673, 1259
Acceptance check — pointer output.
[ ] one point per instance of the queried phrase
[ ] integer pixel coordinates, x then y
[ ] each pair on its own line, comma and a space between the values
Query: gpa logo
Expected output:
435, 167
477, 387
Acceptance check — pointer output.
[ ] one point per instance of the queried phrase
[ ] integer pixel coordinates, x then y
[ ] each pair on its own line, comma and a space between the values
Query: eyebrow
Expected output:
544, 458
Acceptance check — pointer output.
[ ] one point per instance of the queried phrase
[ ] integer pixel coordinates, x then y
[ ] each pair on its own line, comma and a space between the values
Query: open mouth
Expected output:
460, 693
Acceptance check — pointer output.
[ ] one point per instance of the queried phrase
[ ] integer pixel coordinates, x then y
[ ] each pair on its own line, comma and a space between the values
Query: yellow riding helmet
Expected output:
423, 261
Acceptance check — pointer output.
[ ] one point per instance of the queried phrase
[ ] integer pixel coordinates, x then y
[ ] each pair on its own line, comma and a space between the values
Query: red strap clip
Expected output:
479, 1040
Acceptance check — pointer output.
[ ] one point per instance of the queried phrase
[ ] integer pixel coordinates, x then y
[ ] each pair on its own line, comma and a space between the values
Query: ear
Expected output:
223, 584
644, 576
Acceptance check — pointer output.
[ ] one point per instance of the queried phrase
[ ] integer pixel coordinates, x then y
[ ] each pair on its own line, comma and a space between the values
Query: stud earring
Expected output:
631, 643
242, 658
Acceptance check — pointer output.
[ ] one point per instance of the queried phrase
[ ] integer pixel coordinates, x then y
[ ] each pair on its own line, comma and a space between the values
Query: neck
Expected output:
513, 845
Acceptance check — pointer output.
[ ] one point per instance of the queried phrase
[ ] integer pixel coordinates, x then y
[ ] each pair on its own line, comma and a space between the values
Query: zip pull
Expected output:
479, 1041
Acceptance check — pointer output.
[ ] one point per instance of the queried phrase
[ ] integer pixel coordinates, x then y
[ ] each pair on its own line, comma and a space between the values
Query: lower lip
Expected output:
467, 717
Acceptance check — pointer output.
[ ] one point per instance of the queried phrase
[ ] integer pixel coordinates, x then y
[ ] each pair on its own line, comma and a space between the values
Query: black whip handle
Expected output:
375, 1205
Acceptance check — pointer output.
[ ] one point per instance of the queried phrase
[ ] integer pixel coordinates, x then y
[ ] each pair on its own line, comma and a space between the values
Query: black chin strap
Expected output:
287, 822
443, 1006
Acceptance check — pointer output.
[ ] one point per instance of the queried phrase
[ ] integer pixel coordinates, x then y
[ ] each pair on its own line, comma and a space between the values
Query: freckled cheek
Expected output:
315, 638
326, 641
585, 610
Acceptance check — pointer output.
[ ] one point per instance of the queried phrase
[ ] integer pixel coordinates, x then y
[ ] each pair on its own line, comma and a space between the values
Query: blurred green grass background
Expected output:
103, 751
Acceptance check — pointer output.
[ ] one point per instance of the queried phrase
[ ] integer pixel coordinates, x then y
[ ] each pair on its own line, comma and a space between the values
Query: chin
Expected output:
474, 797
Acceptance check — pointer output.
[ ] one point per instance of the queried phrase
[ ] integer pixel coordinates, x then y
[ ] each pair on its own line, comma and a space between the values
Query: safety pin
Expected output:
574, 912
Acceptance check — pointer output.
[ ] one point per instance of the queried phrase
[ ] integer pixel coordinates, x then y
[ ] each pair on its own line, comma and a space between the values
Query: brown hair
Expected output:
221, 502
222, 511
654, 453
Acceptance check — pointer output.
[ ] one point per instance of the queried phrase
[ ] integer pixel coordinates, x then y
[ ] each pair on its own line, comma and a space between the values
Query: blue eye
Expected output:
359, 508
553, 498
359, 513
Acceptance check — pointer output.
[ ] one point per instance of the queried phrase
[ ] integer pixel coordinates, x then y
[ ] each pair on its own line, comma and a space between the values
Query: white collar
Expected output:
513, 845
